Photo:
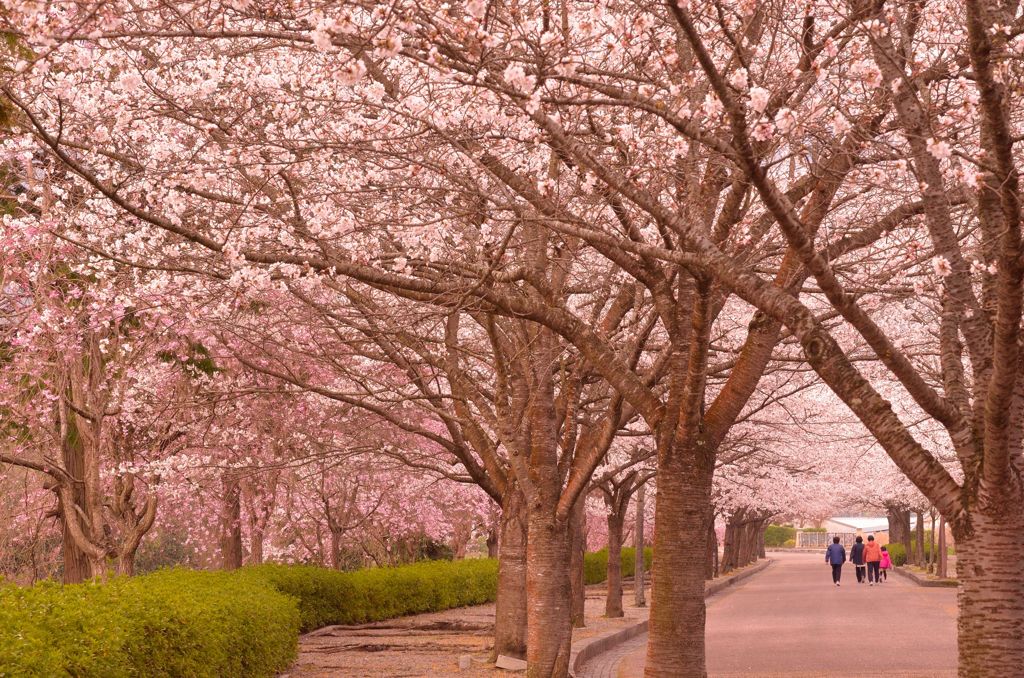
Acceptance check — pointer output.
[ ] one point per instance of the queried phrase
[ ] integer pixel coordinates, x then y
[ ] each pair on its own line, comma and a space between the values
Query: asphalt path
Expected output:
790, 620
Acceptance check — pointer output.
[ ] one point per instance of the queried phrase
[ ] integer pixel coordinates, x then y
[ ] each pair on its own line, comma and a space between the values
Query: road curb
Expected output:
589, 648
925, 581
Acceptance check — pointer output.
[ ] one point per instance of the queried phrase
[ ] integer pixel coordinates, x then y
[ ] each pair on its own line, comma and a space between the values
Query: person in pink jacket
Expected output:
885, 564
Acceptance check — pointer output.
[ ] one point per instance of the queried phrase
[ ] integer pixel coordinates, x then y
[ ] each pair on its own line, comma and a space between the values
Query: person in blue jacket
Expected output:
835, 556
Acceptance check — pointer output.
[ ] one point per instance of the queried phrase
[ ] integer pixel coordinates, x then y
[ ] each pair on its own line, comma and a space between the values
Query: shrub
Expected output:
197, 624
595, 565
170, 623
776, 535
789, 543
897, 553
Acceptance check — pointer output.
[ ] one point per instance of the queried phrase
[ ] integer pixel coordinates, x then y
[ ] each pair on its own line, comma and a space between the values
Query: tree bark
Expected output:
613, 601
549, 622
920, 540
712, 564
578, 548
932, 563
639, 599
991, 574
510, 606
77, 565
943, 559
676, 645
231, 523
899, 526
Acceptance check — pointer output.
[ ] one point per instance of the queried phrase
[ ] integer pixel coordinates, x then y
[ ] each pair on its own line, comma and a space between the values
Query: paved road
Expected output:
791, 621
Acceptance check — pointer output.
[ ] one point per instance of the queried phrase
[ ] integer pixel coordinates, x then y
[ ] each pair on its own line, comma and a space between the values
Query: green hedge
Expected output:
245, 623
170, 623
777, 535
331, 597
595, 565
197, 624
899, 554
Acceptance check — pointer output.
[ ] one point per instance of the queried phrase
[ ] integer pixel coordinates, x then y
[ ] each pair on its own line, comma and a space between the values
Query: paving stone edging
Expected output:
926, 581
589, 648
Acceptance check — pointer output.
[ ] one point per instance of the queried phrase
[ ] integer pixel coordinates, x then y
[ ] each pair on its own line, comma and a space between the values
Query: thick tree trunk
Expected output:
231, 524
577, 549
991, 574
676, 645
760, 540
731, 558
77, 565
510, 607
639, 599
899, 525
549, 623
126, 564
712, 567
613, 601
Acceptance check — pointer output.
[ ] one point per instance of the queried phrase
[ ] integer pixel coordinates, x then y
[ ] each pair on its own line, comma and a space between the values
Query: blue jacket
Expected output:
836, 554
857, 554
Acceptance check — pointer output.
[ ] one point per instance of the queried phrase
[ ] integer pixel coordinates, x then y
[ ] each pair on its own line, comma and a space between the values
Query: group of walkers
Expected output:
871, 561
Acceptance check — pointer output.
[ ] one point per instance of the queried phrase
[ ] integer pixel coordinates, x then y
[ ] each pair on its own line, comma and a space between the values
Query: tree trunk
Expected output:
712, 564
549, 622
577, 549
932, 563
492, 543
991, 574
920, 539
77, 565
256, 537
510, 607
676, 645
231, 523
639, 599
336, 560
943, 558
760, 540
613, 601
899, 524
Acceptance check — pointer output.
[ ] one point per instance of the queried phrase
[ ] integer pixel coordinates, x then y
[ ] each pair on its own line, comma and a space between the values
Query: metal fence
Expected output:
814, 540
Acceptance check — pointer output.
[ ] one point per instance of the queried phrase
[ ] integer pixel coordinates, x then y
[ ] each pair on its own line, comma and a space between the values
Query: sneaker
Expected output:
837, 583
871, 583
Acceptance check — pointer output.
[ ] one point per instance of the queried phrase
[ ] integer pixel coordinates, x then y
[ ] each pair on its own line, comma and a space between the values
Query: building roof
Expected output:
862, 524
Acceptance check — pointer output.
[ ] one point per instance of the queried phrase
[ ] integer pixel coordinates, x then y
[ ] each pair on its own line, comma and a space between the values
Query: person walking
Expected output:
886, 564
857, 558
873, 557
835, 556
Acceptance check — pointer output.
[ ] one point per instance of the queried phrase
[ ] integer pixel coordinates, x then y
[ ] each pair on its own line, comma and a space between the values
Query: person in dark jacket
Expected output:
857, 558
835, 556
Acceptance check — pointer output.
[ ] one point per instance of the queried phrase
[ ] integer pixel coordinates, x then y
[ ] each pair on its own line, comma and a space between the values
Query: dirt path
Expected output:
429, 644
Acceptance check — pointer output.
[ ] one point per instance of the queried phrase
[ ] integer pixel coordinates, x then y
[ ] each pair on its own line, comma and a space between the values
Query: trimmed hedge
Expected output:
898, 553
197, 624
327, 597
595, 565
170, 623
778, 535
245, 623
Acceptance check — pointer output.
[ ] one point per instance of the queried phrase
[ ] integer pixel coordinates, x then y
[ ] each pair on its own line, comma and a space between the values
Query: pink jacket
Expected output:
886, 561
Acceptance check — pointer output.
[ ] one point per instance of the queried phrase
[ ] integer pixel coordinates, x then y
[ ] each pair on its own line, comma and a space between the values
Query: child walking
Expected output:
885, 564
